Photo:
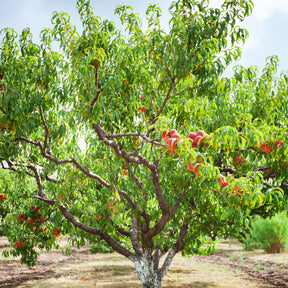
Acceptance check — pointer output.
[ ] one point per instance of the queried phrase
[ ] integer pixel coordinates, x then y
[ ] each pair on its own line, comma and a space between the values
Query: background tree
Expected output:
87, 134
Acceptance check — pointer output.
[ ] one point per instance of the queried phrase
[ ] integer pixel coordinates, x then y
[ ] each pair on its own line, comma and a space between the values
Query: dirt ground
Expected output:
229, 267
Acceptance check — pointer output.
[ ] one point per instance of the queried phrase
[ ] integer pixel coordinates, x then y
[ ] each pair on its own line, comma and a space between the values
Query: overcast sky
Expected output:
267, 25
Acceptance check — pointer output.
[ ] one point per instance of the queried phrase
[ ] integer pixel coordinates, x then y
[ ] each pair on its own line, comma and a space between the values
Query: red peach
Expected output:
200, 133
172, 144
190, 166
239, 159
191, 135
112, 203
175, 135
171, 132
196, 170
164, 134
279, 143
195, 141
222, 181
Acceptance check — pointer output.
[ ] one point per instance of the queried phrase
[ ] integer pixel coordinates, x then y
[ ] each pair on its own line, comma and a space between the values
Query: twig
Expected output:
137, 181
167, 69
150, 108
131, 134
45, 126
48, 178
165, 101
44, 199
188, 88
95, 99
2, 110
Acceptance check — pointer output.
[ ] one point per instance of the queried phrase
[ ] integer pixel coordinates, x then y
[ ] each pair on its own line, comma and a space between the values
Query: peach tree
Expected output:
131, 135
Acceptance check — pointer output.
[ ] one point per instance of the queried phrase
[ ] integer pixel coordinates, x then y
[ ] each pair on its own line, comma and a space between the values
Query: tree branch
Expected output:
120, 153
128, 158
180, 242
64, 161
167, 69
128, 199
137, 181
188, 88
44, 199
134, 237
95, 99
11, 166
156, 257
2, 110
48, 178
136, 160
165, 101
166, 217
105, 236
85, 171
120, 229
132, 134
167, 263
271, 174
159, 194
38, 179
45, 127
98, 87
49, 147
178, 201
150, 108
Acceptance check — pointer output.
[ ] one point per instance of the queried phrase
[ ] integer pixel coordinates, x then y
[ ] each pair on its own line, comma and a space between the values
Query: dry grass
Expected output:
82, 269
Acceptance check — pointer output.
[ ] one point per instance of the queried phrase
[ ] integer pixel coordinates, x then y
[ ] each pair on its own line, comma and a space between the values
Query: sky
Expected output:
267, 25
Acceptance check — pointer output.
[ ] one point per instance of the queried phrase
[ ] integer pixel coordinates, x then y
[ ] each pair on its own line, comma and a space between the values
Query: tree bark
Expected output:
147, 273
147, 267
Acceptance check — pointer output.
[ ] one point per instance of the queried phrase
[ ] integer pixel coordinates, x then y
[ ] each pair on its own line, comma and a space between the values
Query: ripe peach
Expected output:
175, 135
222, 181
165, 134
190, 166
191, 135
196, 140
200, 133
239, 159
171, 132
172, 144
196, 170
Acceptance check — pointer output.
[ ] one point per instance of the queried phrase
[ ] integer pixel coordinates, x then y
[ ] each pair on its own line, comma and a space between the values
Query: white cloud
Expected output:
265, 9
256, 24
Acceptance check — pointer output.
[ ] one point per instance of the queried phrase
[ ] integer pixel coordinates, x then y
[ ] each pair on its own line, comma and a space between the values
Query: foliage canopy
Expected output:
82, 137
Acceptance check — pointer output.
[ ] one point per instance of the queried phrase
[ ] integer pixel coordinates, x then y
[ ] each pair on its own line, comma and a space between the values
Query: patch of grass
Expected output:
269, 234
242, 259
260, 267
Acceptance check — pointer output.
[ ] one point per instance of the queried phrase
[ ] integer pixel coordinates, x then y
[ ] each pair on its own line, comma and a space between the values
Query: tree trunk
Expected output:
148, 277
147, 268
147, 273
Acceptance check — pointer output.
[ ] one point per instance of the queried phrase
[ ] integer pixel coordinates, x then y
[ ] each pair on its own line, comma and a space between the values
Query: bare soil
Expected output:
229, 267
